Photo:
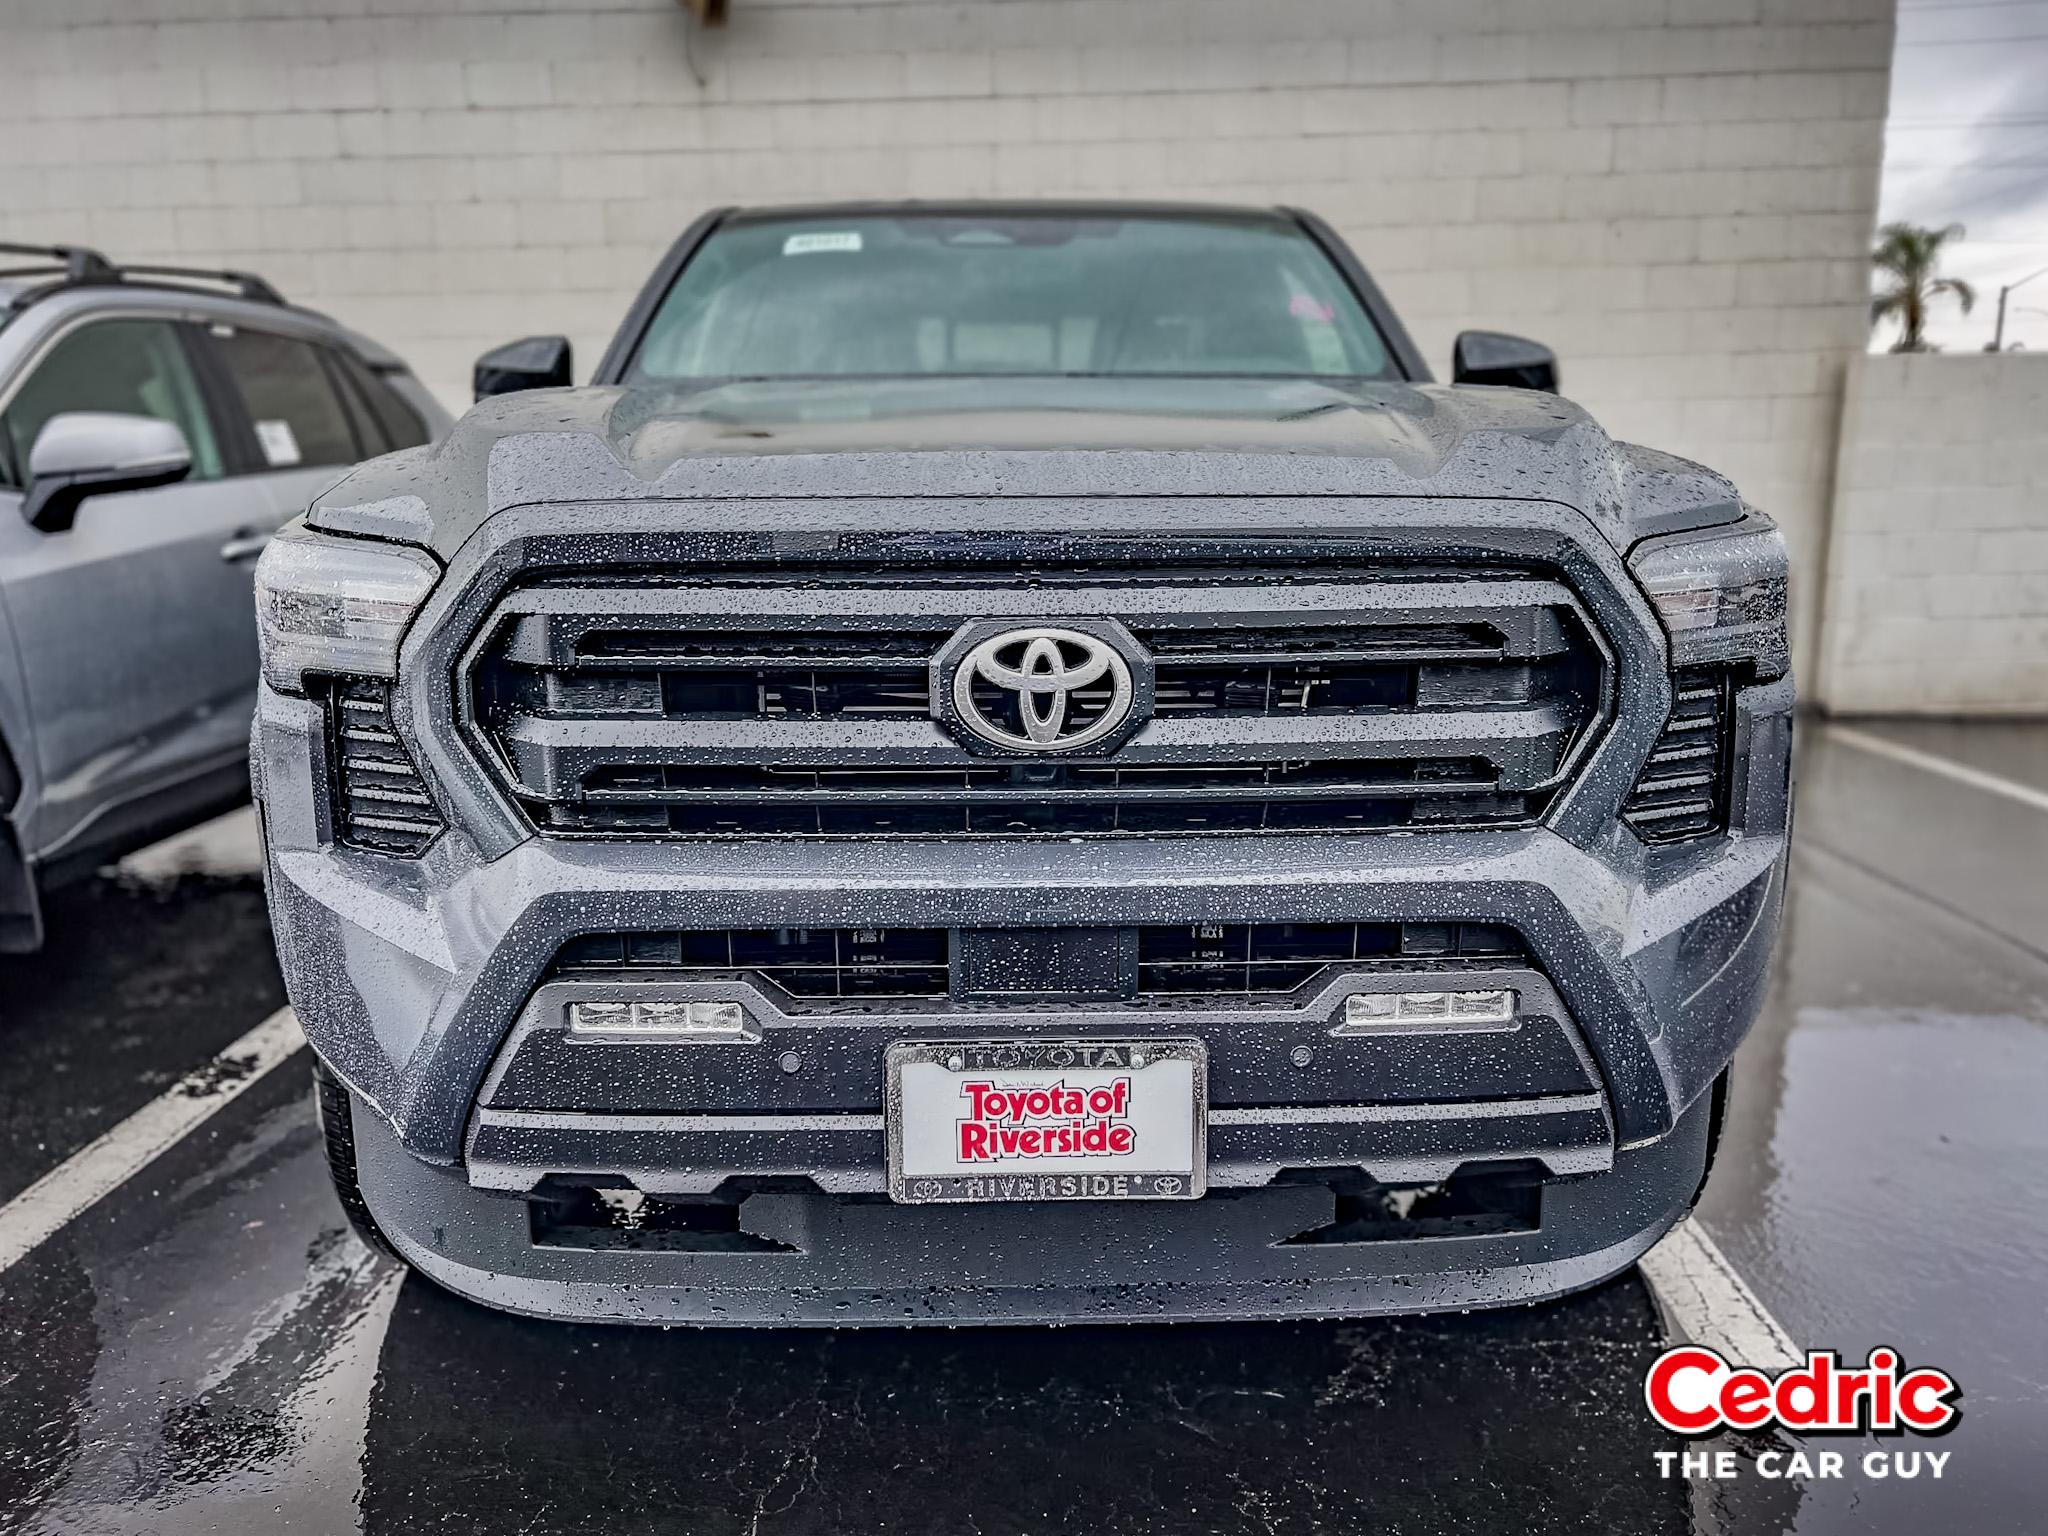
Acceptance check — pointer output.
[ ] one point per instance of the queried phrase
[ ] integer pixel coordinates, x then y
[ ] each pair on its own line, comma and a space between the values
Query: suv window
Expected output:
393, 423
132, 367
1010, 293
292, 400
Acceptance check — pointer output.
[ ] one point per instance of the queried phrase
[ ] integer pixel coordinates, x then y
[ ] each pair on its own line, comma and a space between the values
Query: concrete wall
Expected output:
1677, 194
1937, 576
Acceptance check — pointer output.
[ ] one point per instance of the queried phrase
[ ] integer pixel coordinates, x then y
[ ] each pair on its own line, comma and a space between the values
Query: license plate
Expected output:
1047, 1120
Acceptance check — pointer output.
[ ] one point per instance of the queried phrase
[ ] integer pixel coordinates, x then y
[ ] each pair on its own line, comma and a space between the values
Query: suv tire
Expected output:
337, 1133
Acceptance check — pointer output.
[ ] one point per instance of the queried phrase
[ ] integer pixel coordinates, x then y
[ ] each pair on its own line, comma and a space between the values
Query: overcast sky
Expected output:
1968, 144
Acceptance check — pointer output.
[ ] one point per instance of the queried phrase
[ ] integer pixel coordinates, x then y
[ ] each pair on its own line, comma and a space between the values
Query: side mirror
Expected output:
537, 362
1489, 357
89, 453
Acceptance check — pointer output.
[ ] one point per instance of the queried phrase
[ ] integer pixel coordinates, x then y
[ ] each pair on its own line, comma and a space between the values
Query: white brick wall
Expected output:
1937, 576
1676, 193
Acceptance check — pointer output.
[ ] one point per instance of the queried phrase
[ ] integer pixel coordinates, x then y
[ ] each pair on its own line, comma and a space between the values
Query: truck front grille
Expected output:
743, 706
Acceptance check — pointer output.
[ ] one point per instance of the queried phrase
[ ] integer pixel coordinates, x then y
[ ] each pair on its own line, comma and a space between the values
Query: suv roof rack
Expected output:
72, 266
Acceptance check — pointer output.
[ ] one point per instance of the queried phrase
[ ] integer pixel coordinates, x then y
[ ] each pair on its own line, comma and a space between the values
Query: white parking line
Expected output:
88, 1176
1947, 767
1710, 1303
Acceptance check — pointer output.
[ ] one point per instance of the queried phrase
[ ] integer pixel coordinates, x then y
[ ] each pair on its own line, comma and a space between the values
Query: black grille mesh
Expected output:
805, 962
1682, 792
380, 801
1184, 962
1220, 959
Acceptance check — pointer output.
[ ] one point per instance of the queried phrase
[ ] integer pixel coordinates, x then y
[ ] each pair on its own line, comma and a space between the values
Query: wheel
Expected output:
337, 1132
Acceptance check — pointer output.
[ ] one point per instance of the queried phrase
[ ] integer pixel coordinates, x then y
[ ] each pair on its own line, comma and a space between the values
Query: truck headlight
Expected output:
1722, 593
335, 605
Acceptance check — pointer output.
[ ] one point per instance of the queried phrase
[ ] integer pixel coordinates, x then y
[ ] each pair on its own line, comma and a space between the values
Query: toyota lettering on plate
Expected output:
1047, 1120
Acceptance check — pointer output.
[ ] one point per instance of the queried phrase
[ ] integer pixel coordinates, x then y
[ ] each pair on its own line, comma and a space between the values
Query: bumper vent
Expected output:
381, 803
1285, 701
1249, 959
804, 962
1174, 963
1682, 793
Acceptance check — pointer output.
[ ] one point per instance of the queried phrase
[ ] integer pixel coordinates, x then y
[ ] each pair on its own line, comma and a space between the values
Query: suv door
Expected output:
135, 626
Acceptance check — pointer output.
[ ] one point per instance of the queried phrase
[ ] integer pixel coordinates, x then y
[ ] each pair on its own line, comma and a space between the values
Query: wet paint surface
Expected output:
206, 1351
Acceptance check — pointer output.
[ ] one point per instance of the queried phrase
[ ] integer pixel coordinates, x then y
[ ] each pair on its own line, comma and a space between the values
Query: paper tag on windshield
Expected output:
804, 245
280, 446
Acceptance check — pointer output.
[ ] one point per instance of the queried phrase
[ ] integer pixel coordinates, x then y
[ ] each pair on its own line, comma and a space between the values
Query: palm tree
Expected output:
1909, 255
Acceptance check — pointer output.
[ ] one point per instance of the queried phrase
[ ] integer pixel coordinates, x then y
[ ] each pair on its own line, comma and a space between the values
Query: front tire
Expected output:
337, 1132
1717, 1117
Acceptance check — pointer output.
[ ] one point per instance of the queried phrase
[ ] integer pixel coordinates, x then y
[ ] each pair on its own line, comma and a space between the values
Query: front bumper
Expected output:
409, 976
838, 1262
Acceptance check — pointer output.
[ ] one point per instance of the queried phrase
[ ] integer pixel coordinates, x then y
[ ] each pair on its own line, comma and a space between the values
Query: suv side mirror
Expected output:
1490, 357
89, 453
537, 362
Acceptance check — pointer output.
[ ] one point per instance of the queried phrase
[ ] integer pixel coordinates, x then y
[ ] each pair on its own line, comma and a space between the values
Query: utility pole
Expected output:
1998, 336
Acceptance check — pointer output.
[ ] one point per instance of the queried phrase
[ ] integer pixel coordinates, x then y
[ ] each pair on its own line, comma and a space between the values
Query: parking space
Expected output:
205, 1349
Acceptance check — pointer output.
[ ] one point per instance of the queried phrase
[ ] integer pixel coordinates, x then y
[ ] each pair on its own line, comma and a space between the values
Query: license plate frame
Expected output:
1015, 1063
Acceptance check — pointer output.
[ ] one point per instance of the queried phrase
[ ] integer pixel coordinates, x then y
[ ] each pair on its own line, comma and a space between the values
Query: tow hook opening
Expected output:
608, 1213
1478, 1200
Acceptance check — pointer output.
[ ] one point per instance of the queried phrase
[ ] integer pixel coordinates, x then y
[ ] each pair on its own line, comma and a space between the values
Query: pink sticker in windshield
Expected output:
1303, 307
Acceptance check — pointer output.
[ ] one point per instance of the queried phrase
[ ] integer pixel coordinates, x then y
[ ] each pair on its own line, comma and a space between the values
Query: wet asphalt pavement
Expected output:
206, 1350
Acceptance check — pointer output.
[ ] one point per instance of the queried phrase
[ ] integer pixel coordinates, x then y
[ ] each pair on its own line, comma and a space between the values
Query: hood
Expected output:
1005, 437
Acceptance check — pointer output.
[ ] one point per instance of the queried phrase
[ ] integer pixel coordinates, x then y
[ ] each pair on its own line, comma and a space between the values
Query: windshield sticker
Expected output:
1303, 307
804, 245
279, 443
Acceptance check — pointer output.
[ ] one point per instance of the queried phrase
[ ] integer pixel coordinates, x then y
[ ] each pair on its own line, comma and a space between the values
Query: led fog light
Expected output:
687, 1021
1367, 1011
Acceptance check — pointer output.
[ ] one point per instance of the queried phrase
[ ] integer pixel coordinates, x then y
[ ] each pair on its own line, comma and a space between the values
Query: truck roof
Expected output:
1016, 206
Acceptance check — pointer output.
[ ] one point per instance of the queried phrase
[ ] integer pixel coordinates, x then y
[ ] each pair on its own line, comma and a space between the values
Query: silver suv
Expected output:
156, 426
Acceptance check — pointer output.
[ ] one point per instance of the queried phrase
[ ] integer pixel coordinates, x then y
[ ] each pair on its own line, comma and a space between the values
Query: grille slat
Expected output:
722, 707
1103, 785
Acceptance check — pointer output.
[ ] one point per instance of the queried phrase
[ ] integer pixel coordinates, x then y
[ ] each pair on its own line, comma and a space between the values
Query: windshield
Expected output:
903, 295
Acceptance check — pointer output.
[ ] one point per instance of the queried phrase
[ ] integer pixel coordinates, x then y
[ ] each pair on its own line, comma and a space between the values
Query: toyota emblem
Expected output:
1043, 689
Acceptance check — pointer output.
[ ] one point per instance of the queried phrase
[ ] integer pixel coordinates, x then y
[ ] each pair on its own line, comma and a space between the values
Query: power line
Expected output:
1968, 165
1974, 42
2025, 141
2001, 192
2012, 119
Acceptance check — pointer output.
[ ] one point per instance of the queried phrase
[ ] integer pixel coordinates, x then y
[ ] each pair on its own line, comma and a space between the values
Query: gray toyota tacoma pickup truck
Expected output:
1022, 762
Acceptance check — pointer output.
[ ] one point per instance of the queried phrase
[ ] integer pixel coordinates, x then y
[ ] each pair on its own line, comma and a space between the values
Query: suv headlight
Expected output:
337, 606
1722, 593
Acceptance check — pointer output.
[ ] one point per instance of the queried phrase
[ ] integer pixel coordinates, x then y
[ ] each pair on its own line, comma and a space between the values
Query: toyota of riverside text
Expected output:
1022, 762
